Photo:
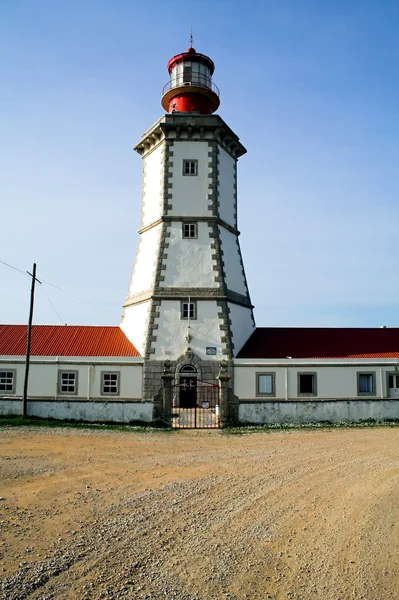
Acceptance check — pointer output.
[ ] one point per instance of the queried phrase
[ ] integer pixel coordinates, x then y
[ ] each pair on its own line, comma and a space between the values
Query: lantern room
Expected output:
190, 87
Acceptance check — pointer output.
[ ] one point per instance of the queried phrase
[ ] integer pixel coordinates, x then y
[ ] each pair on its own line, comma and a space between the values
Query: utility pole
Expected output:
32, 298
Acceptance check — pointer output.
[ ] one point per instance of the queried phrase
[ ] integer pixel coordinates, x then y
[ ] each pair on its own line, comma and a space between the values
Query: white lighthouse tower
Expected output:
188, 291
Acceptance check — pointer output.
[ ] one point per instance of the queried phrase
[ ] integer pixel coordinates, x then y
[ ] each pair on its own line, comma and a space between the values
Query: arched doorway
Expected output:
195, 402
188, 387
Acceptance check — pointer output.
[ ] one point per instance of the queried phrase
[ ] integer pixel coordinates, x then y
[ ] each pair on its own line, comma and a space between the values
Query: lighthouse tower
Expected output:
188, 293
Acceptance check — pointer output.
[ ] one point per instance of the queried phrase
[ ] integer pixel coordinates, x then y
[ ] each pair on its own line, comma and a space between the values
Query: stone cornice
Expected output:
193, 127
189, 219
170, 293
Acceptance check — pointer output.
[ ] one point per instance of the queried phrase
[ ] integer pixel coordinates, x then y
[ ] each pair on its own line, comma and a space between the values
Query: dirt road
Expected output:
199, 515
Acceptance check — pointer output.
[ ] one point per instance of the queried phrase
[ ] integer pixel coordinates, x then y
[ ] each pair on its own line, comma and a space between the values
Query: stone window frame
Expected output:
61, 372
391, 374
186, 161
273, 376
374, 383
194, 303
118, 382
306, 394
13, 383
189, 224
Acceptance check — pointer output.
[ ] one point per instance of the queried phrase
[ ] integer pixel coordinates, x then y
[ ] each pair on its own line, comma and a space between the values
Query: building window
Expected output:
366, 384
7, 382
110, 383
307, 384
190, 230
68, 382
265, 384
190, 167
188, 310
188, 369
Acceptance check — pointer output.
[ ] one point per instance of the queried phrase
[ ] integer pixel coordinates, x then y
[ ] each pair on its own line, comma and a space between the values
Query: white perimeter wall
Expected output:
43, 377
338, 411
135, 324
227, 167
190, 193
171, 332
145, 264
82, 410
152, 200
189, 262
333, 381
242, 325
232, 264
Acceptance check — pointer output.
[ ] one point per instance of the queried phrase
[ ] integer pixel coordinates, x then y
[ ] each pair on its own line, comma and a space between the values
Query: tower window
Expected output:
190, 167
190, 230
188, 310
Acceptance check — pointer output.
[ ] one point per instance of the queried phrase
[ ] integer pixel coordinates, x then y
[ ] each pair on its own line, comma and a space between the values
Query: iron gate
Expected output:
195, 404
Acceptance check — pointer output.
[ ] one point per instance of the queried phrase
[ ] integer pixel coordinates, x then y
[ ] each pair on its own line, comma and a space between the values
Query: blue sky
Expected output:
310, 87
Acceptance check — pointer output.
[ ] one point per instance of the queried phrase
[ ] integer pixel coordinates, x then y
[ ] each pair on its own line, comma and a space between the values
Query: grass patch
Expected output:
248, 429
19, 421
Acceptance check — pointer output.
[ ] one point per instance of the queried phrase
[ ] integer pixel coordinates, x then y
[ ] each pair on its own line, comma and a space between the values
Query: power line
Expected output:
15, 268
25, 273
78, 297
55, 310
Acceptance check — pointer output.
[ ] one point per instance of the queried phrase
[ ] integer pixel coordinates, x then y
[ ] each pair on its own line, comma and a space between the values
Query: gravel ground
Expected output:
198, 515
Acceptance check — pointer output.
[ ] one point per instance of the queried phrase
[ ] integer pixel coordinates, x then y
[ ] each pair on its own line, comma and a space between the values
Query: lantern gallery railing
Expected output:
194, 80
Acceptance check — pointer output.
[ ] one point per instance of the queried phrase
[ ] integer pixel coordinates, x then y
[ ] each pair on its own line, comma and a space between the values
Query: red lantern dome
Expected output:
190, 88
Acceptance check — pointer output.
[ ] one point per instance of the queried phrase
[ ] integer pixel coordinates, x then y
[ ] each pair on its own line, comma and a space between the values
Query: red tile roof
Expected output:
65, 340
306, 342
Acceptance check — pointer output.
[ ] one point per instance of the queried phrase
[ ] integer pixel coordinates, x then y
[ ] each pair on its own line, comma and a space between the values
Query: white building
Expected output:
188, 315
